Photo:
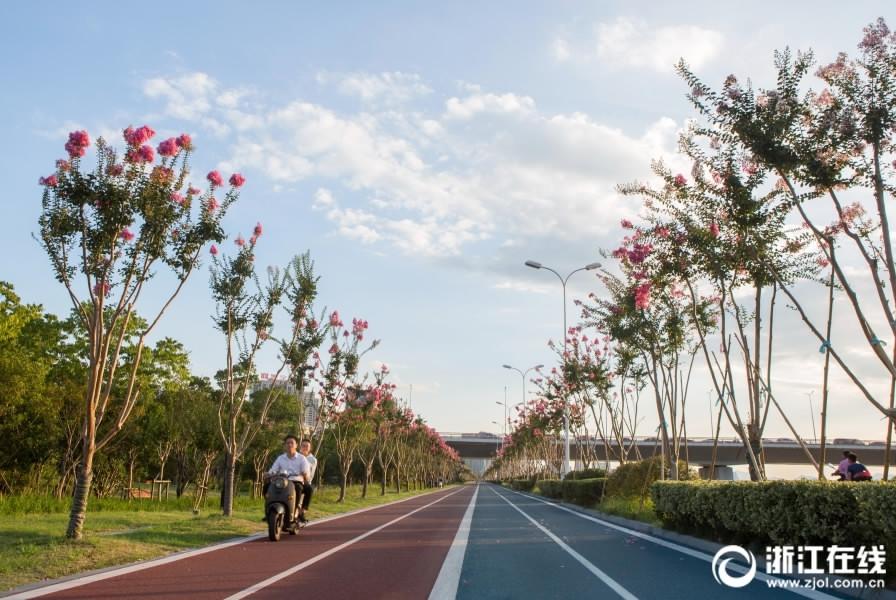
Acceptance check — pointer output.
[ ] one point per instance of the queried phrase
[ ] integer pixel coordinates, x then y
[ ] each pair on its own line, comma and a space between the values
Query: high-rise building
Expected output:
309, 399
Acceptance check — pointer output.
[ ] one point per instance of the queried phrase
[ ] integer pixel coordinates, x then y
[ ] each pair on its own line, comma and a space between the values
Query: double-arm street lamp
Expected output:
563, 281
523, 375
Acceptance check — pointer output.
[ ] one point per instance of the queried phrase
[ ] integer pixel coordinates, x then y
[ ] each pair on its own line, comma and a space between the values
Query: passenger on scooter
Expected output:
308, 489
295, 465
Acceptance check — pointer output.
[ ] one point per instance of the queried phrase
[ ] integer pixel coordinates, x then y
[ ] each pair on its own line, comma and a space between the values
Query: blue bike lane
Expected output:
523, 547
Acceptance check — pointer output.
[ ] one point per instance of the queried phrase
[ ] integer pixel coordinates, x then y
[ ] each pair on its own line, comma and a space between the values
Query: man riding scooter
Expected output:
296, 466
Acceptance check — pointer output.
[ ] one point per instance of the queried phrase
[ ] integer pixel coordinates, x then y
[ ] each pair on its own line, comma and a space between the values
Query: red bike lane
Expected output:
230, 570
400, 561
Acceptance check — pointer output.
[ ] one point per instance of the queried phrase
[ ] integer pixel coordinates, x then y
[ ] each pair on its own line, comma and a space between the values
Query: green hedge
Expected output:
550, 488
633, 479
522, 485
585, 492
781, 512
586, 474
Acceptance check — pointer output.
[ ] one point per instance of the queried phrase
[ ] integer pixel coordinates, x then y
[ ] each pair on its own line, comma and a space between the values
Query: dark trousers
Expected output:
307, 490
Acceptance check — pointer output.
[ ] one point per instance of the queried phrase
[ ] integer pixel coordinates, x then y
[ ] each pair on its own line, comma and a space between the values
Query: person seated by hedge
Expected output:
856, 471
841, 472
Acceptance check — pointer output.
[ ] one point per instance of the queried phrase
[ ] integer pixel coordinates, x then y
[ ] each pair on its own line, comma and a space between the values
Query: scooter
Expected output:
282, 506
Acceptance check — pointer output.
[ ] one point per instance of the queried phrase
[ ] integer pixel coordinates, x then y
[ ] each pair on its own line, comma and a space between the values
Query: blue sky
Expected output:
421, 151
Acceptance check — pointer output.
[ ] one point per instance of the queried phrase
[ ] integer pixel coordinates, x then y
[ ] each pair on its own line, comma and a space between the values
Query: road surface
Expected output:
472, 542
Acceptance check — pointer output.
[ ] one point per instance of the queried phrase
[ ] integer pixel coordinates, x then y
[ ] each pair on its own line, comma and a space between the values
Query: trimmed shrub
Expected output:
522, 485
586, 474
550, 488
633, 479
780, 512
585, 492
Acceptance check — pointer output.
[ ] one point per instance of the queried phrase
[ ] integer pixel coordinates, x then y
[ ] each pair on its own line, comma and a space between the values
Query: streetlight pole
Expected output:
589, 267
523, 375
812, 414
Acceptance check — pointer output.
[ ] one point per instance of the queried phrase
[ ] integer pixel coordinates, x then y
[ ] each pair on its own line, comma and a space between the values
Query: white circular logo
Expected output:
720, 569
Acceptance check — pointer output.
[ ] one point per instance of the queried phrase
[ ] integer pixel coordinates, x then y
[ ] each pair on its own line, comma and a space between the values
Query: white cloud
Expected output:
500, 168
389, 87
629, 43
560, 50
188, 96
475, 103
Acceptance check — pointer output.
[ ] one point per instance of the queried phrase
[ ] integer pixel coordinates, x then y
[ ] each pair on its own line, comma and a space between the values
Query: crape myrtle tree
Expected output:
649, 315
245, 315
338, 382
106, 231
711, 238
832, 151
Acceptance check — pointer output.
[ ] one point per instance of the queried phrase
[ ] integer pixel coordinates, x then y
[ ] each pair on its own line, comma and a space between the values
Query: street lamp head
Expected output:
533, 264
592, 266
507, 366
499, 403
539, 366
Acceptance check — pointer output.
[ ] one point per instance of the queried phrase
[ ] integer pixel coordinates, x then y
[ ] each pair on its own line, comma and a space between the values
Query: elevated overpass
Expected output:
479, 449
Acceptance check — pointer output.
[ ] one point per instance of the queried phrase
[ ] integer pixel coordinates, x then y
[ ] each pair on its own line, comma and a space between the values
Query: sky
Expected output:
421, 152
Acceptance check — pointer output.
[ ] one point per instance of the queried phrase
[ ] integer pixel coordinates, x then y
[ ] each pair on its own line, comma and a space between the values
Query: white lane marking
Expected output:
611, 583
157, 562
284, 574
445, 587
683, 549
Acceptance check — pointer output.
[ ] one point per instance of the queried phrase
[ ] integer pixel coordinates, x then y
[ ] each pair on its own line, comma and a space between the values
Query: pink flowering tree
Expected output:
824, 147
107, 230
717, 232
339, 382
650, 319
244, 314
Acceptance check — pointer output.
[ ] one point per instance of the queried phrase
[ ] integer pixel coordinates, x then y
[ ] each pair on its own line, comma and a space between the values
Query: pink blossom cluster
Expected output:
77, 143
359, 326
642, 296
126, 235
143, 154
138, 137
168, 147
237, 180
335, 320
214, 178
49, 181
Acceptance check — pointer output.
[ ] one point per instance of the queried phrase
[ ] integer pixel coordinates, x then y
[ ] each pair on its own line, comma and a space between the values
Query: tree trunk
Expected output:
79, 501
227, 490
343, 481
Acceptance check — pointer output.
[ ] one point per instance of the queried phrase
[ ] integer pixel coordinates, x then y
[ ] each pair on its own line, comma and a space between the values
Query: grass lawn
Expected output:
630, 508
33, 546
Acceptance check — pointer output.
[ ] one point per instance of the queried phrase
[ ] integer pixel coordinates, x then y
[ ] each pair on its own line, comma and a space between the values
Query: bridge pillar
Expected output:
722, 472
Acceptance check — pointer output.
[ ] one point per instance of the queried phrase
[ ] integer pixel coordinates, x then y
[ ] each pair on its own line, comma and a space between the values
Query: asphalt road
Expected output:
474, 542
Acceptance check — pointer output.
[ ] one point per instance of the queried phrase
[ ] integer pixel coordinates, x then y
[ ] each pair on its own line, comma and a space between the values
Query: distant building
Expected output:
267, 380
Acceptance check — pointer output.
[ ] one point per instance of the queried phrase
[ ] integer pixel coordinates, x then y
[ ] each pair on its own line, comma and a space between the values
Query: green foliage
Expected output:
550, 488
585, 492
780, 512
586, 474
522, 485
633, 479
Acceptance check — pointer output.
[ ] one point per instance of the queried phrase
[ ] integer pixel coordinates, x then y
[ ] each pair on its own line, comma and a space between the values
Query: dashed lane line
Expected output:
609, 581
808, 593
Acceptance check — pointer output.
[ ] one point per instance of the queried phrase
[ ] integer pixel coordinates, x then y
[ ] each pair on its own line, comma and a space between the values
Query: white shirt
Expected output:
295, 466
313, 462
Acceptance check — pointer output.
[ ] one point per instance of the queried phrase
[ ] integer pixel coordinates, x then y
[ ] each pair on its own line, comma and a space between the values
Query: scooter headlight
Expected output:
280, 483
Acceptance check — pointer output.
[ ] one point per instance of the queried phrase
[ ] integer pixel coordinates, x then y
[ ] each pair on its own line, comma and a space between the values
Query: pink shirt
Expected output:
843, 466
